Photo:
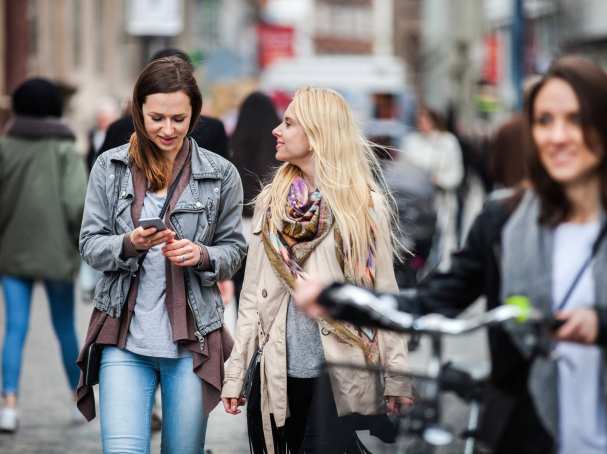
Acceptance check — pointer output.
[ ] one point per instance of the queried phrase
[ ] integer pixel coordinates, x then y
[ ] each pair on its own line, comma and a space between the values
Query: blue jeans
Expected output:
17, 303
127, 383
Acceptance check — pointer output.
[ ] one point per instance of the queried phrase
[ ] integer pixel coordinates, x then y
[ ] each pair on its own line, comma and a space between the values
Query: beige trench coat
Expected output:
263, 303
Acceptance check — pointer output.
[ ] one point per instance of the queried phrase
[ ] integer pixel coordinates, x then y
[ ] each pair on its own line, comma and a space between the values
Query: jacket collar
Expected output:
120, 154
202, 166
39, 128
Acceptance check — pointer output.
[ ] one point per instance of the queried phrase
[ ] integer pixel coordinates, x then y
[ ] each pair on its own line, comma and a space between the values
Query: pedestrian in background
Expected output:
43, 183
323, 213
436, 151
252, 149
546, 244
106, 113
158, 312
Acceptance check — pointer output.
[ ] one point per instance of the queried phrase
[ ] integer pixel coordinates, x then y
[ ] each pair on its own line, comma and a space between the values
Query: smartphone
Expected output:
555, 323
146, 223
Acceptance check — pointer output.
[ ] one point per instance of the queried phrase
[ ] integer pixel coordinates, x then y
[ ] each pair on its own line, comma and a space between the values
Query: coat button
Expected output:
324, 331
216, 189
264, 293
198, 205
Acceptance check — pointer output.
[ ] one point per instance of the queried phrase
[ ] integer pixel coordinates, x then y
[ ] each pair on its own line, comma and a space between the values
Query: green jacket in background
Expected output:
42, 191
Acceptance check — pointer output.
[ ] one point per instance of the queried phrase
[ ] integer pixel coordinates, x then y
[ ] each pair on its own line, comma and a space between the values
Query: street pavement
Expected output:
46, 406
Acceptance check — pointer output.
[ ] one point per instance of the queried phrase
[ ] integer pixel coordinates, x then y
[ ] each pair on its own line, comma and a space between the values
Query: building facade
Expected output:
96, 48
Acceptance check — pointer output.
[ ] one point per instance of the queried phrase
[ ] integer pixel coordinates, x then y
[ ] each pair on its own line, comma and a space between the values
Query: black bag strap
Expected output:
584, 267
171, 190
165, 206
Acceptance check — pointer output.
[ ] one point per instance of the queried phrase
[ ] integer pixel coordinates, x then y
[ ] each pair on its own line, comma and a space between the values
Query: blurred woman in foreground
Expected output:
546, 244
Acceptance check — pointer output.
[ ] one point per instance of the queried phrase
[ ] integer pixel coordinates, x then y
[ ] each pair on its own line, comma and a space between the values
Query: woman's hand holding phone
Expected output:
144, 239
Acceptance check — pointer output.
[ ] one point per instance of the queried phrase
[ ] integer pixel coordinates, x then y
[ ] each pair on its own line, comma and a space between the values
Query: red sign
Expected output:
491, 66
275, 42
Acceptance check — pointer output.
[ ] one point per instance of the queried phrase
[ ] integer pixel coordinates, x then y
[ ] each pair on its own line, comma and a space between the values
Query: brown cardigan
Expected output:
207, 361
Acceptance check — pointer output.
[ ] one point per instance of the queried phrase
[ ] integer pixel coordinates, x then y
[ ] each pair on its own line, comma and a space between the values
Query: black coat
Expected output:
209, 133
509, 420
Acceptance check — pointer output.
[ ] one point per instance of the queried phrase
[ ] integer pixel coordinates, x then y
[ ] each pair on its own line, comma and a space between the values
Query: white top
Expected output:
439, 154
582, 409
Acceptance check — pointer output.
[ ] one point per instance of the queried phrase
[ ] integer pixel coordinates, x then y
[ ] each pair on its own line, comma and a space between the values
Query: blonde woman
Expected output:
323, 214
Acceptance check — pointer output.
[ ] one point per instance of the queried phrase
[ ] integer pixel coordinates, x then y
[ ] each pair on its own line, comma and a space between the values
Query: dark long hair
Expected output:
589, 82
252, 145
164, 75
508, 152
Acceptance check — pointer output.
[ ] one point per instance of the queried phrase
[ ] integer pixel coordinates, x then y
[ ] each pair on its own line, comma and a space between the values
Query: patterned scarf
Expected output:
308, 221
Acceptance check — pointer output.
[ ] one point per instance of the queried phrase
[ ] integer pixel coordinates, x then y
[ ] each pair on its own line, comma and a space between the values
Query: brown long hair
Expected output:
164, 75
589, 82
508, 152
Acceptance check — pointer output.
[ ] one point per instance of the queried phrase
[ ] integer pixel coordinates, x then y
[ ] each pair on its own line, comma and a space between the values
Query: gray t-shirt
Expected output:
150, 330
305, 356
583, 410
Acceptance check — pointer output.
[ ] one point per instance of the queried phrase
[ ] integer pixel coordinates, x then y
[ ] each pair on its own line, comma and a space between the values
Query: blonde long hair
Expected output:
347, 173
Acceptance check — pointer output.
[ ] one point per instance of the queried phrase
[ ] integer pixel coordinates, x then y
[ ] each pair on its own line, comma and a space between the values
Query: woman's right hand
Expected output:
231, 404
144, 239
306, 296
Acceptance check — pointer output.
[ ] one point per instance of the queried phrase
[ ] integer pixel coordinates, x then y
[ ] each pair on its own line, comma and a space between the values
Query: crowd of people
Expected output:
178, 217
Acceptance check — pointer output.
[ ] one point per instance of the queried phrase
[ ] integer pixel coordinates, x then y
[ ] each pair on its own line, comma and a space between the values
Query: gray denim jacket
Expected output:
209, 212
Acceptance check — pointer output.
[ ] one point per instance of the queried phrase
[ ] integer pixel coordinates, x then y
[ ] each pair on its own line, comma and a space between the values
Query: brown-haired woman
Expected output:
158, 313
436, 151
545, 244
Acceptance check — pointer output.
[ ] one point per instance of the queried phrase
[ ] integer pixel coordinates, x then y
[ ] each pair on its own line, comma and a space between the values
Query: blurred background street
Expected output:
412, 71
468, 58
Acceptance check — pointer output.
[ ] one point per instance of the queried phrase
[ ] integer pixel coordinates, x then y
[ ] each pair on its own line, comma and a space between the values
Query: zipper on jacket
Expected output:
189, 210
200, 338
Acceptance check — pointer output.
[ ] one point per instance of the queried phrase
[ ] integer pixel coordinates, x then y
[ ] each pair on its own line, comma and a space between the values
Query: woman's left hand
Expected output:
182, 252
581, 325
395, 404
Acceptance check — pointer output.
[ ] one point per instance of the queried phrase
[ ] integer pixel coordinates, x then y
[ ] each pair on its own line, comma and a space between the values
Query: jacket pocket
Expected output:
191, 222
123, 223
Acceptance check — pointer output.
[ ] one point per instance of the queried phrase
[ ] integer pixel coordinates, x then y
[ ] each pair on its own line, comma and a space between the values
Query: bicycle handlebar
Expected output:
362, 307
